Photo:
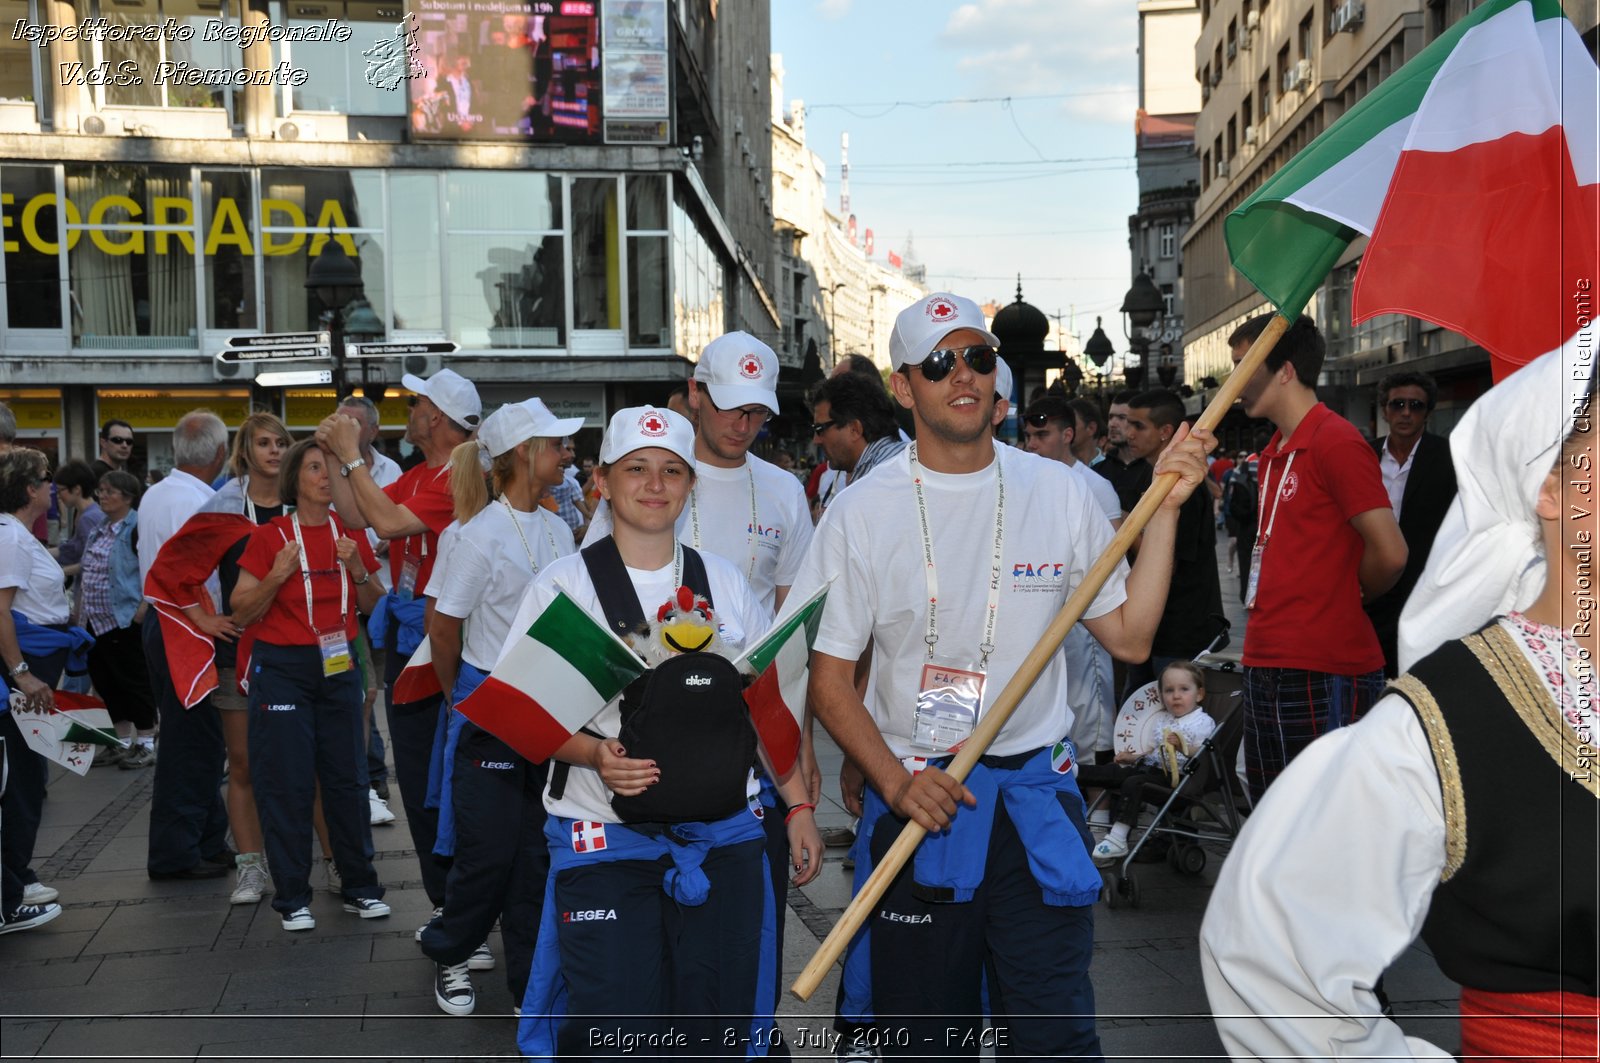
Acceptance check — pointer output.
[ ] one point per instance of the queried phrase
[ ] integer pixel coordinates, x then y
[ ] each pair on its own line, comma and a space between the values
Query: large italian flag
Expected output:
1474, 171
781, 663
557, 678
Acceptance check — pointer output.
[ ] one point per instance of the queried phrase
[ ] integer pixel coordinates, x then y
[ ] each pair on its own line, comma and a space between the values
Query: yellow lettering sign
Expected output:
97, 213
332, 217
227, 227
30, 223
297, 219
6, 199
162, 208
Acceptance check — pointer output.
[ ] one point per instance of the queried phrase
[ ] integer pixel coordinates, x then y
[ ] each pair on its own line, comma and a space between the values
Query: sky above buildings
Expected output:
1030, 169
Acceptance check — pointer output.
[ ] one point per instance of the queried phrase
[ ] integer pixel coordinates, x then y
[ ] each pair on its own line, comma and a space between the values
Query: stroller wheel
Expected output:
1191, 859
1130, 888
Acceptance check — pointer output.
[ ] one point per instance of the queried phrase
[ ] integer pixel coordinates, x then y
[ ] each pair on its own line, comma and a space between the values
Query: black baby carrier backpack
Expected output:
687, 714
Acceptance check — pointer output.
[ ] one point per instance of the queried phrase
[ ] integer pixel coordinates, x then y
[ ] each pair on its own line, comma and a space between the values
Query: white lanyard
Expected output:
305, 573
1277, 496
422, 536
694, 520
249, 503
517, 524
996, 566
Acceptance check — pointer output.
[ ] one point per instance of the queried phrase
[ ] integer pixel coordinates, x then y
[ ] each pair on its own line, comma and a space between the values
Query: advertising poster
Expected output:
638, 77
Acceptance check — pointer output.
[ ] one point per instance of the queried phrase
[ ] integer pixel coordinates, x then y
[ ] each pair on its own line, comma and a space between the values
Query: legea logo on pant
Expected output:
281, 708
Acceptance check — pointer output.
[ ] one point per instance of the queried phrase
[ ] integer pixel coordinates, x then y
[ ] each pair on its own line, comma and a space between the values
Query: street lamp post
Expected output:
1098, 348
336, 279
1140, 308
833, 320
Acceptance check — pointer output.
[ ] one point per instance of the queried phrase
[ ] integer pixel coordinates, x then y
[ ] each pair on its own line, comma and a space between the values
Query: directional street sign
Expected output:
397, 350
275, 354
281, 339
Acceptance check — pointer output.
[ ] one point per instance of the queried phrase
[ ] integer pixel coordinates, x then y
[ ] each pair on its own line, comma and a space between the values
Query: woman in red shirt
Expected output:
299, 577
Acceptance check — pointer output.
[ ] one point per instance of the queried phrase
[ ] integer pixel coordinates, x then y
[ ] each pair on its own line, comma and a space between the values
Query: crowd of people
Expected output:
642, 905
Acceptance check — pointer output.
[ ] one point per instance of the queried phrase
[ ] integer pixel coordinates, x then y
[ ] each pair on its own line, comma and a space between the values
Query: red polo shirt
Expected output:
426, 493
1308, 601
285, 622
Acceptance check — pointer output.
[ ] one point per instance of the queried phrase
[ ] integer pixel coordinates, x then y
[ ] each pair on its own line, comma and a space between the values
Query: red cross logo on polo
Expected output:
588, 837
941, 309
750, 367
653, 424
1291, 485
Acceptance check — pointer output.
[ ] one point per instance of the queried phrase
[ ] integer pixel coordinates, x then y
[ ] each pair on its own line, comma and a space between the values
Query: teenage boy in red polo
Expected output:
1327, 539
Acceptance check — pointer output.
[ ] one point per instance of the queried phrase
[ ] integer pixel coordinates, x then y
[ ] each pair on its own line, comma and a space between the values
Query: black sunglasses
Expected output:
819, 427
125, 441
1414, 405
1036, 420
980, 359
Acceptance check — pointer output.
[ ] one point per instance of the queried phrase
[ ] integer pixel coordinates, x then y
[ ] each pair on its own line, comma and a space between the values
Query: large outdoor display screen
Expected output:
522, 70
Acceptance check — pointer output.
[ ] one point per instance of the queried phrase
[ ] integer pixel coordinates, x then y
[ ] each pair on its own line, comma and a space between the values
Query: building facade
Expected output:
1274, 74
548, 185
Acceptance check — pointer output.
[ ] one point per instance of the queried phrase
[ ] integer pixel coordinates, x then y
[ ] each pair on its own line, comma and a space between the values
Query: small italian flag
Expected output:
1474, 169
781, 664
417, 681
556, 679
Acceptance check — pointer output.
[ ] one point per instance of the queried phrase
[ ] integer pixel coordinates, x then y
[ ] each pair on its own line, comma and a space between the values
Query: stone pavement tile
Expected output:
1441, 1025
1415, 976
141, 995
122, 853
134, 886
44, 943
831, 888
19, 972
49, 840
1128, 984
164, 924
153, 1038
316, 985
25, 1038
415, 1025
1159, 1037
122, 970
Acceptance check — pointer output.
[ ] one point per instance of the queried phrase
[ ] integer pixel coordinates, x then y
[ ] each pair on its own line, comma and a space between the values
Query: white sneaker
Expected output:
1109, 851
299, 919
379, 809
28, 916
452, 988
437, 912
481, 959
331, 880
367, 908
39, 893
253, 882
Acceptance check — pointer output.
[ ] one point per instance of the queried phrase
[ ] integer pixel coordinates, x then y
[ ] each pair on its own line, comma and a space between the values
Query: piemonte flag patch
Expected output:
587, 836
1061, 757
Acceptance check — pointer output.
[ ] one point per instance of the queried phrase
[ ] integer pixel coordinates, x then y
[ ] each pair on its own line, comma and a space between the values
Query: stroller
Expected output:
1208, 803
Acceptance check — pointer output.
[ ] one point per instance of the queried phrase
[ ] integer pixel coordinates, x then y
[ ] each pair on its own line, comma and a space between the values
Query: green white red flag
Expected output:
68, 732
1475, 170
564, 670
781, 663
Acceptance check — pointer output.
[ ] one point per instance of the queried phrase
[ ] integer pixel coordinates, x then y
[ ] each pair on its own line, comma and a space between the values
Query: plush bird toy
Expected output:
683, 624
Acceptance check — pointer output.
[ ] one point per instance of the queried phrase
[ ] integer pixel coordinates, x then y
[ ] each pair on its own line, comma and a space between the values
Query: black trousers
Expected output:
188, 821
411, 731
501, 857
121, 677
23, 804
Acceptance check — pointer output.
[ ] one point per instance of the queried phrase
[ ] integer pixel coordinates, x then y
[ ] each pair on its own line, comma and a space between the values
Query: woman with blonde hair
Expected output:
492, 811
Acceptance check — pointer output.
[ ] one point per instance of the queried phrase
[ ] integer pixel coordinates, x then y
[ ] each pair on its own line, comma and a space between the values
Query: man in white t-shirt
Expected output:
188, 822
1007, 878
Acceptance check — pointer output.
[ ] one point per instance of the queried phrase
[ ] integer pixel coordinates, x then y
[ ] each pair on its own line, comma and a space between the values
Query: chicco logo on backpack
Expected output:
697, 681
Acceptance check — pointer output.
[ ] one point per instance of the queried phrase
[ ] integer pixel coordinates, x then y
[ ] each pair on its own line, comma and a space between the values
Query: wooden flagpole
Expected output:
1027, 674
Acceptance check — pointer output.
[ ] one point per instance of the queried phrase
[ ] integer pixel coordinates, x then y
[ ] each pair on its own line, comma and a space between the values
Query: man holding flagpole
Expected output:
952, 594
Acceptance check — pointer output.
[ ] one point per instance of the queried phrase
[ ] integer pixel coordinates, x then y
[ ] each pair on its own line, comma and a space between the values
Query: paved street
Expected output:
169, 970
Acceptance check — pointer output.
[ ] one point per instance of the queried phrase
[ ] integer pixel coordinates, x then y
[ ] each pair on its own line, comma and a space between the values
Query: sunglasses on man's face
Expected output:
1036, 420
819, 427
980, 359
1414, 405
121, 441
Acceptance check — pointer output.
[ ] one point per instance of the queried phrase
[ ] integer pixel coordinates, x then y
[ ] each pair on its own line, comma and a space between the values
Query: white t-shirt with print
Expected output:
869, 544
26, 565
722, 496
484, 573
740, 620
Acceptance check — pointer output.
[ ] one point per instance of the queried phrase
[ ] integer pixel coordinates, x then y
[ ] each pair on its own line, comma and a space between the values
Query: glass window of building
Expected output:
156, 72
30, 224
337, 70
414, 240
697, 284
596, 302
17, 57
506, 259
649, 250
131, 256
232, 238
299, 211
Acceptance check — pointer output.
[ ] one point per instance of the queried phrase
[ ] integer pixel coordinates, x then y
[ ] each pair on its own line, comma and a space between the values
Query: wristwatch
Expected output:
22, 667
351, 466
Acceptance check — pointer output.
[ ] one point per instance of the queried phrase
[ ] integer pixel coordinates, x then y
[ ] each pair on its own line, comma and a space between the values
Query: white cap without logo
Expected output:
451, 392
920, 327
638, 427
739, 370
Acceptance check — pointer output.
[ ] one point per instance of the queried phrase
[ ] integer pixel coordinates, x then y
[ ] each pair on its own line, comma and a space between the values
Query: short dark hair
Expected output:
20, 467
125, 482
1089, 412
680, 388
76, 473
105, 429
860, 365
1408, 379
1302, 345
289, 471
1052, 406
1166, 409
1122, 398
852, 397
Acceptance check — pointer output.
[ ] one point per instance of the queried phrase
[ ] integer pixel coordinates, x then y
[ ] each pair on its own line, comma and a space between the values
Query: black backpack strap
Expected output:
694, 576
560, 768
613, 587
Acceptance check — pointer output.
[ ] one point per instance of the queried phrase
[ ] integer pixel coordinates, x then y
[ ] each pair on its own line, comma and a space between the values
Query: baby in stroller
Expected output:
1183, 686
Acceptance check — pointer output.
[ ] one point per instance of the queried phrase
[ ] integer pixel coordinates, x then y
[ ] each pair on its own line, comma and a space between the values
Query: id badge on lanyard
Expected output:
333, 645
950, 691
335, 652
1259, 551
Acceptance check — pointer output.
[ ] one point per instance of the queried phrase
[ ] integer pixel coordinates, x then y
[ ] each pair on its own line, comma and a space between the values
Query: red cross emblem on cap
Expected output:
940, 309
653, 424
750, 366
